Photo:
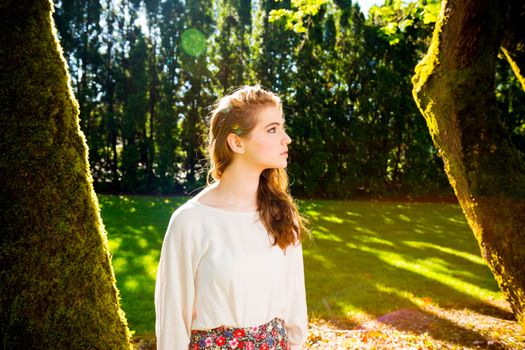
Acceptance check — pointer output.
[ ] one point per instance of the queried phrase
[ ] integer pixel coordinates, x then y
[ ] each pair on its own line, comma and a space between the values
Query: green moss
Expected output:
57, 285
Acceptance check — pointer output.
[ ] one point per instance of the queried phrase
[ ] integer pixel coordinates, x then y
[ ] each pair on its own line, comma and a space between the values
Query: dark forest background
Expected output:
144, 73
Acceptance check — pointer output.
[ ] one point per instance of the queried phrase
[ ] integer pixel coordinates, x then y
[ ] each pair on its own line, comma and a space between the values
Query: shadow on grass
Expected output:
420, 322
372, 258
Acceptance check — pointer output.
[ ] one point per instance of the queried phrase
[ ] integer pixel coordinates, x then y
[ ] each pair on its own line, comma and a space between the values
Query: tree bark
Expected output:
57, 286
454, 87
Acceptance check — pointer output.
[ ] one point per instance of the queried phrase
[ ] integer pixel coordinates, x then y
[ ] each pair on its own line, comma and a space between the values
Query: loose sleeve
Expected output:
296, 319
174, 289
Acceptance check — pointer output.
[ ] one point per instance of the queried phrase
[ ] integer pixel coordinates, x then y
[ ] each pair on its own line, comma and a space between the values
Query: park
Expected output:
407, 158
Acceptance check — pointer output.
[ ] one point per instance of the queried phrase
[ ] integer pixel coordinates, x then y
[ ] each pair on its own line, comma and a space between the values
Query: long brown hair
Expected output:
236, 113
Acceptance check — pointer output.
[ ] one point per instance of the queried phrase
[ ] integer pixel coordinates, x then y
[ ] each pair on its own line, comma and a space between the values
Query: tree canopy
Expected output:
144, 89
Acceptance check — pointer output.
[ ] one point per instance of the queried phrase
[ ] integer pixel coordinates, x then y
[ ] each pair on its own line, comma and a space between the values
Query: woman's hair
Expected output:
236, 113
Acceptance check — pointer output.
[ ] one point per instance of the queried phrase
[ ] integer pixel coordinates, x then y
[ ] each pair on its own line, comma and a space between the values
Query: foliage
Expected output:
344, 80
395, 18
302, 10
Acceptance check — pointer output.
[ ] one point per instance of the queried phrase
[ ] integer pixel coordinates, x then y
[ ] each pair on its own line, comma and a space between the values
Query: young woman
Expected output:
231, 268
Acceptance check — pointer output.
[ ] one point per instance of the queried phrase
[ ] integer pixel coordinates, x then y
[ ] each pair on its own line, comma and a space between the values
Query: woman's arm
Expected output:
297, 317
174, 290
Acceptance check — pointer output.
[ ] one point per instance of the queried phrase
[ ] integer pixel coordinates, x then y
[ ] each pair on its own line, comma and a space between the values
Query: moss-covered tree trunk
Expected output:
57, 286
454, 87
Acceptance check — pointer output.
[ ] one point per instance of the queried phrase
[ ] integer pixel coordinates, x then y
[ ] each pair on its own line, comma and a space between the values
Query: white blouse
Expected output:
218, 268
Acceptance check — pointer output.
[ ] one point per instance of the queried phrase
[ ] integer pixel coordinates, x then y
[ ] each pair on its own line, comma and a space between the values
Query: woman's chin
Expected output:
277, 164
283, 165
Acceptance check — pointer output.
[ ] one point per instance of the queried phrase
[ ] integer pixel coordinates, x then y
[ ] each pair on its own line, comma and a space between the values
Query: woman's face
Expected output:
266, 146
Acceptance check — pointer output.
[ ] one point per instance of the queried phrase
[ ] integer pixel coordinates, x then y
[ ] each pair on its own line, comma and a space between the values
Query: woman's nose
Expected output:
286, 139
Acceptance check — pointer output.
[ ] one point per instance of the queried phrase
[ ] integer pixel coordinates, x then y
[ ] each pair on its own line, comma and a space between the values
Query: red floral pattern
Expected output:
269, 336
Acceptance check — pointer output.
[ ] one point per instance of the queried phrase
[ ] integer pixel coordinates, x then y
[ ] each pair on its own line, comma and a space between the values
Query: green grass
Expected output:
367, 258
371, 258
136, 227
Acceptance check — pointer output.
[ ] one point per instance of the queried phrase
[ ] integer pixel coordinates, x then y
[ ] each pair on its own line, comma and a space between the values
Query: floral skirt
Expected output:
269, 336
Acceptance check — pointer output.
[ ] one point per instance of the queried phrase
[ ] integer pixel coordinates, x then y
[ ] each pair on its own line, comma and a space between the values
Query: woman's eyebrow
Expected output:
274, 123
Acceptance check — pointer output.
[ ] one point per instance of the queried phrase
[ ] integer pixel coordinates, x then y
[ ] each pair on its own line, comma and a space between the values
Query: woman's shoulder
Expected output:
192, 212
187, 212
184, 223
191, 208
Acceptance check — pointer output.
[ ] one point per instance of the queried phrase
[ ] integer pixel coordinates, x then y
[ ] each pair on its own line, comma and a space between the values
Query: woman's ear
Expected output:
235, 143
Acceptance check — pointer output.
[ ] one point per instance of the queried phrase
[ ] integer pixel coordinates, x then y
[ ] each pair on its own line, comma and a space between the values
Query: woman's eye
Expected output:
272, 130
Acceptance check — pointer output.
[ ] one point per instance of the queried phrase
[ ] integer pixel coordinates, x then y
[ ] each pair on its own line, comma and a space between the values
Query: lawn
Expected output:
367, 259
370, 258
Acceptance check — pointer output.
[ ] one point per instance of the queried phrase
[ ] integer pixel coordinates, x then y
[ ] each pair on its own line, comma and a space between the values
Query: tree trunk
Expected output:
57, 286
454, 87
153, 101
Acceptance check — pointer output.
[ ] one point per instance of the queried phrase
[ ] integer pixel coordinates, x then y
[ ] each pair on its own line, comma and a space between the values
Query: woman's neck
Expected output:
237, 189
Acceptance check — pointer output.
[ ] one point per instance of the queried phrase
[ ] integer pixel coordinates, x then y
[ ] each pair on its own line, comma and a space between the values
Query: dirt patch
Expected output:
431, 327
